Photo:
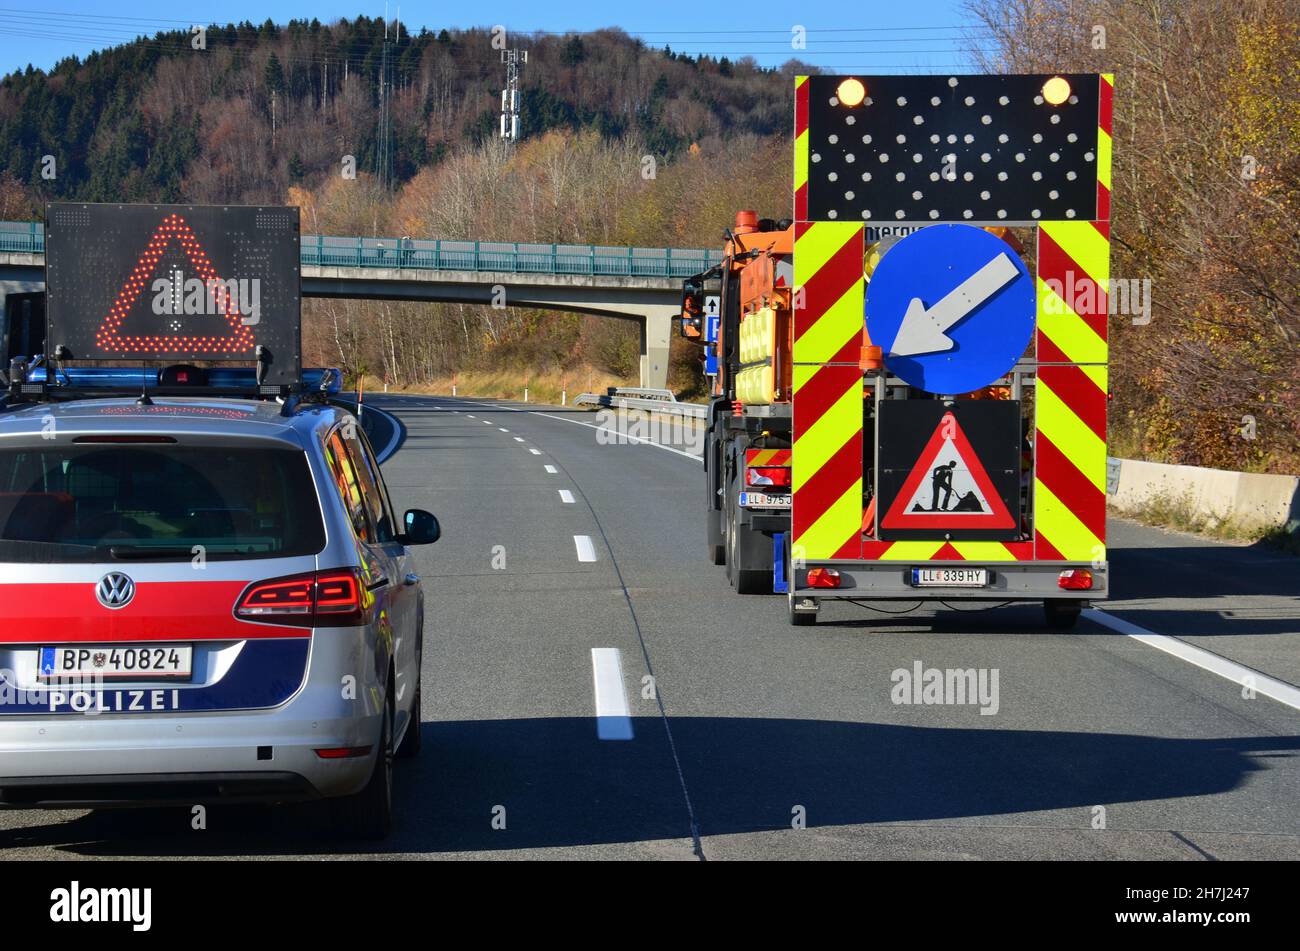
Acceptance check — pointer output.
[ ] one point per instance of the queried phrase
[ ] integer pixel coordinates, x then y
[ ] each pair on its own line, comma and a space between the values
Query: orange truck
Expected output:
910, 394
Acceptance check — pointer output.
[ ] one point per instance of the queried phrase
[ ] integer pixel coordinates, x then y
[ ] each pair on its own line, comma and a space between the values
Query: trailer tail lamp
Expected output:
778, 476
823, 578
1075, 579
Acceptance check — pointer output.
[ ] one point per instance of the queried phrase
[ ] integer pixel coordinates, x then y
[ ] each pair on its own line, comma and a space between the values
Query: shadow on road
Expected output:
560, 786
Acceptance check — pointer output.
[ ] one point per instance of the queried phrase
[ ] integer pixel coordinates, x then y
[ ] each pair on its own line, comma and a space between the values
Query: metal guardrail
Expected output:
657, 403
437, 255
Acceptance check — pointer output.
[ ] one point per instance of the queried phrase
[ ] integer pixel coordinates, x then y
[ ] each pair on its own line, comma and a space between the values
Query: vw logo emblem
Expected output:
115, 590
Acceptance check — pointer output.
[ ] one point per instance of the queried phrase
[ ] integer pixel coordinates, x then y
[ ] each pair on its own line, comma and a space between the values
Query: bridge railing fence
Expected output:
444, 255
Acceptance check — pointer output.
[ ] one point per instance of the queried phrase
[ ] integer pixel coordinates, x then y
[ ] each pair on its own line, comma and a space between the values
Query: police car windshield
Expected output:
156, 502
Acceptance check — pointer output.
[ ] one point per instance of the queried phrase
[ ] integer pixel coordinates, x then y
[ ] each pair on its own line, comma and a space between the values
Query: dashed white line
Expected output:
519, 439
613, 715
552, 470
586, 550
503, 429
1230, 670
566, 496
536, 452
470, 416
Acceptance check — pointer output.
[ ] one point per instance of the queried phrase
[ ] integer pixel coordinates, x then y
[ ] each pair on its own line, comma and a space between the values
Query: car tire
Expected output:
368, 814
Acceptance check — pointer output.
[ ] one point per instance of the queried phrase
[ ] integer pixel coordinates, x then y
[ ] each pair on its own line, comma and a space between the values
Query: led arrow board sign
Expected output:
174, 283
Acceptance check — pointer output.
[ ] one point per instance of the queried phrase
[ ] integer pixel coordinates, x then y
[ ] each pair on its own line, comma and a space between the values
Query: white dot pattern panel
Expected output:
1018, 156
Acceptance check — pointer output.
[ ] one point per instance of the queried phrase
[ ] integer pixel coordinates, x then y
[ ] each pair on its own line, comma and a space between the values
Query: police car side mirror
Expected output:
421, 528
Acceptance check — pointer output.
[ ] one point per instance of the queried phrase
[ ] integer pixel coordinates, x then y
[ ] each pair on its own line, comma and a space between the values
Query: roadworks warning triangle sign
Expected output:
948, 487
230, 334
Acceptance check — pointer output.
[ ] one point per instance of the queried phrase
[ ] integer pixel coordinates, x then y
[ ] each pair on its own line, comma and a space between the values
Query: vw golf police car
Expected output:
203, 599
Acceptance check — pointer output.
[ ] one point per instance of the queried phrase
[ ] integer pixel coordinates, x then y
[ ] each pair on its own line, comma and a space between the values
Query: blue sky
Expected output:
866, 36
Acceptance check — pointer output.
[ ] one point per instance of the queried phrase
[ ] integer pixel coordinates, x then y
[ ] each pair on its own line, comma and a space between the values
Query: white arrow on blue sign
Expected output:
952, 307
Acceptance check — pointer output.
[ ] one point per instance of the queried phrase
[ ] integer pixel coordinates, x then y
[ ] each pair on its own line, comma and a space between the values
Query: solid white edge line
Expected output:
552, 470
566, 496
586, 550
1270, 687
613, 715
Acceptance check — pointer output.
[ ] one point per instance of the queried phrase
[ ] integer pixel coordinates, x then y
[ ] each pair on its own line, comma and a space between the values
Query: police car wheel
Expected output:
369, 814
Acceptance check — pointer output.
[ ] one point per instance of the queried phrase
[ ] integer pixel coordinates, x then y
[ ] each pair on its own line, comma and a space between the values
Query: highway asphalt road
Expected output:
1101, 745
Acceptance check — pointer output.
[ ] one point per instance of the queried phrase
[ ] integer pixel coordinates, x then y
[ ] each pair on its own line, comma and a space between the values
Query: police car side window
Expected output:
348, 485
372, 494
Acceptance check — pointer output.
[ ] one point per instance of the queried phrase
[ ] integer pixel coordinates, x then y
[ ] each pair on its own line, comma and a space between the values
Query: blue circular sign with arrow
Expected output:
952, 307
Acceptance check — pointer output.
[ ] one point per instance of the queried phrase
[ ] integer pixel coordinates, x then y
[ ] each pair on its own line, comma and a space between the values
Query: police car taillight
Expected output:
312, 599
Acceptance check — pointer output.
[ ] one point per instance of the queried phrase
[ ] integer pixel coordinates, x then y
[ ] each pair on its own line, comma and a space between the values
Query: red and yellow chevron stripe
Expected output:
801, 148
827, 456
948, 551
1105, 102
1070, 409
767, 457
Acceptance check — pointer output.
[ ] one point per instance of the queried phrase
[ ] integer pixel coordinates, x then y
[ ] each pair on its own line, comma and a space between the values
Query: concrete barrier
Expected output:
1247, 499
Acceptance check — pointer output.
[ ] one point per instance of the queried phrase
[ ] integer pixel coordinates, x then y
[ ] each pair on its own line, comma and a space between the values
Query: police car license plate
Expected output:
122, 661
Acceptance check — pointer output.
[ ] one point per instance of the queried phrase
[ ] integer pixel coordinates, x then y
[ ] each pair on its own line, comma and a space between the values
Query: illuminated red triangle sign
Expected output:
948, 487
237, 338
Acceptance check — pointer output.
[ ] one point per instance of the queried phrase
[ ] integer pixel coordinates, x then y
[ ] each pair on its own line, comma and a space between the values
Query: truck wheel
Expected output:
744, 580
717, 545
1061, 615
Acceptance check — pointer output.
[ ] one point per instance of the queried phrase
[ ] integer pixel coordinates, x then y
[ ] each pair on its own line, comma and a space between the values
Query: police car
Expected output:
206, 592
204, 599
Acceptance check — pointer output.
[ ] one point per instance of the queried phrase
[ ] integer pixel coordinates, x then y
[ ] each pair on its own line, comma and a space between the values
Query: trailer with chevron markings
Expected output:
911, 388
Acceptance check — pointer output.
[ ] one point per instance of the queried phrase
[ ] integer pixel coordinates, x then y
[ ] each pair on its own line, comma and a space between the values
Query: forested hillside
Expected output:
271, 114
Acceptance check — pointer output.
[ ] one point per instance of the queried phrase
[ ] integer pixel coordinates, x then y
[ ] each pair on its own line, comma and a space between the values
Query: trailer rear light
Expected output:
311, 599
823, 578
769, 475
1075, 579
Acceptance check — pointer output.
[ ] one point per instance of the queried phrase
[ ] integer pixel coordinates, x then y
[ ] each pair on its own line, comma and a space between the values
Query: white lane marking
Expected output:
566, 496
613, 715
519, 439
1230, 670
552, 470
586, 550
503, 429
576, 422
535, 452
471, 416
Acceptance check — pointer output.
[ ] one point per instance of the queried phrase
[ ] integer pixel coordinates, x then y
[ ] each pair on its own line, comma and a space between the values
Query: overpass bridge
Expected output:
637, 284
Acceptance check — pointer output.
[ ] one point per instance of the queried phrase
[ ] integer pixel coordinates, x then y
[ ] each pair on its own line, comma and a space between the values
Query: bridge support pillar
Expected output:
656, 336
